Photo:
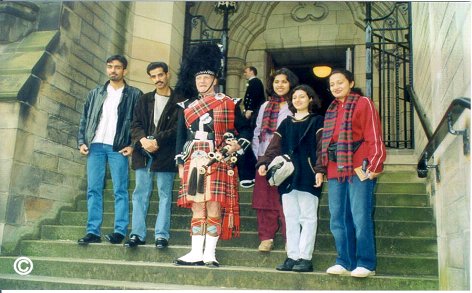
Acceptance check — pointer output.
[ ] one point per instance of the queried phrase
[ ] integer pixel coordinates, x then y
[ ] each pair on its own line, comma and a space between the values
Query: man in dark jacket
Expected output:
104, 135
253, 99
153, 133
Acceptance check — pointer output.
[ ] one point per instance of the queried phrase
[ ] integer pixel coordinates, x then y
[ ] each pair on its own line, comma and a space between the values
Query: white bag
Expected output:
279, 170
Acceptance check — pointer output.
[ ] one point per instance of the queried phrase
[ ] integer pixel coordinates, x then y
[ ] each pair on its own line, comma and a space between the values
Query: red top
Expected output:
365, 126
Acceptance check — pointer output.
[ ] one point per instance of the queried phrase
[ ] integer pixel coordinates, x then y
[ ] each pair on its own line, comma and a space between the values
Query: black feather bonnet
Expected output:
201, 59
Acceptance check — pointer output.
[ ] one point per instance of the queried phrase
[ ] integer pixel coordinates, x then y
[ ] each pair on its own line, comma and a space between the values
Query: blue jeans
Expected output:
141, 195
97, 159
351, 205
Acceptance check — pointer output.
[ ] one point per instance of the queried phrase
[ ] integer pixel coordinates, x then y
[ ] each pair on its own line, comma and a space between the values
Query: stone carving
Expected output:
313, 11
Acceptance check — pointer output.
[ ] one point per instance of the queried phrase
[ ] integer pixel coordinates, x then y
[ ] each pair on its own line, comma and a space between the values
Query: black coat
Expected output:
306, 157
92, 112
164, 133
254, 97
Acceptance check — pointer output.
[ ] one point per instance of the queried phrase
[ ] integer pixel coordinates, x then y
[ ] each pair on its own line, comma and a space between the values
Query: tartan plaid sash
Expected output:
271, 114
344, 149
223, 114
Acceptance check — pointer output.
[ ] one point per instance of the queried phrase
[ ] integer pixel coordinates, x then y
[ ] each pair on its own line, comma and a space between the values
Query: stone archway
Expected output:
262, 25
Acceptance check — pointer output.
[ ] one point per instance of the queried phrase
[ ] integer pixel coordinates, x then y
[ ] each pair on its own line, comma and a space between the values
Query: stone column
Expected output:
234, 75
156, 35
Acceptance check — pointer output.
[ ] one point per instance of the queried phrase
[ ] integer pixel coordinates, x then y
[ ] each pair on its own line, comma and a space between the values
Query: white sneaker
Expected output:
361, 272
338, 270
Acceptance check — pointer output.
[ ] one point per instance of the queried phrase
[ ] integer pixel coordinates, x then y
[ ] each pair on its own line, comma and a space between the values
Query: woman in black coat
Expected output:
299, 136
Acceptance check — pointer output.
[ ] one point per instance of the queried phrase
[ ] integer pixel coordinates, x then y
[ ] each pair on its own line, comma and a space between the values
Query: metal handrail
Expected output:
411, 95
450, 117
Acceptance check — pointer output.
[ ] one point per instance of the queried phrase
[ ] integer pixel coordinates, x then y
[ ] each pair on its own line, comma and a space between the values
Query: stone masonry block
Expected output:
3, 205
68, 167
15, 211
90, 31
161, 11
35, 208
24, 146
456, 278
161, 31
94, 48
7, 143
55, 192
25, 179
45, 161
32, 120
48, 147
456, 251
55, 94
6, 166
148, 50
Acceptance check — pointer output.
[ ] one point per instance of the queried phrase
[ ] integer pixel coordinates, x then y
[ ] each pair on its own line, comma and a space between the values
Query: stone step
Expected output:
381, 199
381, 212
390, 175
249, 257
385, 187
325, 242
249, 223
225, 276
36, 282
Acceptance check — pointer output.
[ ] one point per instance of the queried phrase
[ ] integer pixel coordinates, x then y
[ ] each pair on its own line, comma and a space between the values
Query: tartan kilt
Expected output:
223, 188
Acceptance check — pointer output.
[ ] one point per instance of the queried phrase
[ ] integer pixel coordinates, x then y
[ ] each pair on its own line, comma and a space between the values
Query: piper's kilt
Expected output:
222, 187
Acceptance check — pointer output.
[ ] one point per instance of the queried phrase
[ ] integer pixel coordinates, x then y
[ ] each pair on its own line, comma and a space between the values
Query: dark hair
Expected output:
347, 74
315, 103
291, 77
357, 90
154, 65
253, 69
120, 58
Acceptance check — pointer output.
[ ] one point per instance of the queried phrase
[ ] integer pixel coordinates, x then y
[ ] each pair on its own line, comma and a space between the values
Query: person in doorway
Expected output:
266, 198
353, 152
104, 136
211, 131
299, 136
253, 99
153, 133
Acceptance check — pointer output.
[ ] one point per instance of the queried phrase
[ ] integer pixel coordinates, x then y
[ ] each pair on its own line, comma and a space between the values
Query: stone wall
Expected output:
441, 48
42, 170
47, 171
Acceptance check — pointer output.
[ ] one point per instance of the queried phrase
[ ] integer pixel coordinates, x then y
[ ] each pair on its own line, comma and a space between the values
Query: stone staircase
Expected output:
405, 238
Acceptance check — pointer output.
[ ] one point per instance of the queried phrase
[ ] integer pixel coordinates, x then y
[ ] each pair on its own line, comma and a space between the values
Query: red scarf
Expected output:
271, 114
344, 150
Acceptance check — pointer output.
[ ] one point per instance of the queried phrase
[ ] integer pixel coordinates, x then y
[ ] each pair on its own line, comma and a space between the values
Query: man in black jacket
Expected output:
253, 99
153, 133
104, 135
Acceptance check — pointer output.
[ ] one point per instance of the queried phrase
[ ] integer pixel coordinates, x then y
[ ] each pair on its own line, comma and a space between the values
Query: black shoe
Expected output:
114, 238
161, 243
134, 241
89, 238
188, 263
287, 265
212, 264
303, 265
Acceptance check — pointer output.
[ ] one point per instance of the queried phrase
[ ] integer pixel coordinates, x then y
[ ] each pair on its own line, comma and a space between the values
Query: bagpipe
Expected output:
198, 171
222, 155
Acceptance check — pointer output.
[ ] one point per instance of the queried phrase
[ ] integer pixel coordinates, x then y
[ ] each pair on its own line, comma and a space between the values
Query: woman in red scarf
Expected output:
353, 151
266, 198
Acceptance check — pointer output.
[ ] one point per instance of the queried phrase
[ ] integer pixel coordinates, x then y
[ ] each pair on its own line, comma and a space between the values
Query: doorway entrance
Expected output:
302, 60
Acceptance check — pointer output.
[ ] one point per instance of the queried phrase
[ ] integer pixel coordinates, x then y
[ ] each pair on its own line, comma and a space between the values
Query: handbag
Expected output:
282, 166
